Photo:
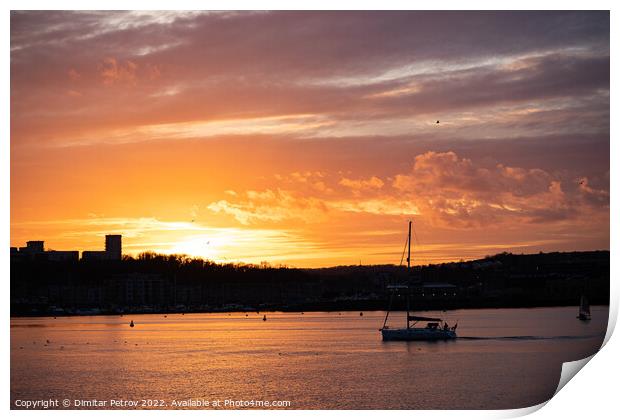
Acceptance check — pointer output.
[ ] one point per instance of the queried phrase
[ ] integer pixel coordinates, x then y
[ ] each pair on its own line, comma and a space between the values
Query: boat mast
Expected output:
408, 268
409, 247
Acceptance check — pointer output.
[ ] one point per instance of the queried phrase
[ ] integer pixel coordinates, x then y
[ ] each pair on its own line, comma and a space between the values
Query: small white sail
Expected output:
584, 308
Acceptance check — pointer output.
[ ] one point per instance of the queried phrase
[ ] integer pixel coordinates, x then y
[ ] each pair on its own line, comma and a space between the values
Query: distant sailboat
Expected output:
584, 309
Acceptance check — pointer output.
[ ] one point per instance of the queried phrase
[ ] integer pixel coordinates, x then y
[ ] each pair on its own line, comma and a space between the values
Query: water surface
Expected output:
505, 358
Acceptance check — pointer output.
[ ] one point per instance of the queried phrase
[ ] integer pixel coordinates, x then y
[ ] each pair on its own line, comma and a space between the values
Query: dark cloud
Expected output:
300, 44
181, 66
540, 78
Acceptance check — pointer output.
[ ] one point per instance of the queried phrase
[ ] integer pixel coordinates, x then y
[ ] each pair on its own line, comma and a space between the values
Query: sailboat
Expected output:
584, 309
433, 330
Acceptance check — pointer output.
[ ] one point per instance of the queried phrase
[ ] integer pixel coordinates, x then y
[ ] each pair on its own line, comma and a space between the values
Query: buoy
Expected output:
361, 313
264, 317
131, 323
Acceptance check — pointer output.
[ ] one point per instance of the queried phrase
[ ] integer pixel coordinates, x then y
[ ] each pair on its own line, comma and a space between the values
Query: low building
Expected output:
63, 255
35, 246
95, 256
31, 248
140, 289
35, 250
439, 289
433, 290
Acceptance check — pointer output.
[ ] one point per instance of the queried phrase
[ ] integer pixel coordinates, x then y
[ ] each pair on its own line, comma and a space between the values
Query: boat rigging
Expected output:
434, 330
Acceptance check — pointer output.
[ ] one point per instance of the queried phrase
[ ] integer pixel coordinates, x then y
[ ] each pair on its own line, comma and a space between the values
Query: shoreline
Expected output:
290, 310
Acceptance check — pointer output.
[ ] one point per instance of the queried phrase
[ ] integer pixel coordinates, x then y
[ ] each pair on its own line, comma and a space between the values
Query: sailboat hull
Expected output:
433, 330
417, 334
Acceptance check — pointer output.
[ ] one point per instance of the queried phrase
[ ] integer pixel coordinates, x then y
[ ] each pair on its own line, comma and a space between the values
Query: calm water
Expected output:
508, 358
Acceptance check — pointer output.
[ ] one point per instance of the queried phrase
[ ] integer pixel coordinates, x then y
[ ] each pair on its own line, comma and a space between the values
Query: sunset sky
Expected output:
310, 138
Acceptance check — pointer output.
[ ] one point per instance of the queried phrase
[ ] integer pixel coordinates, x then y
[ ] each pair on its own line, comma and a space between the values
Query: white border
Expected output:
591, 394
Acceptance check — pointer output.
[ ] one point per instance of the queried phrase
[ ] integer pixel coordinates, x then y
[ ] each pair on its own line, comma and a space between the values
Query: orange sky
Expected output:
310, 139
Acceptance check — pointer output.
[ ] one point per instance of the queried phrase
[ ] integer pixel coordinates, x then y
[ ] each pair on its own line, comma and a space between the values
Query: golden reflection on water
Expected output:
510, 358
